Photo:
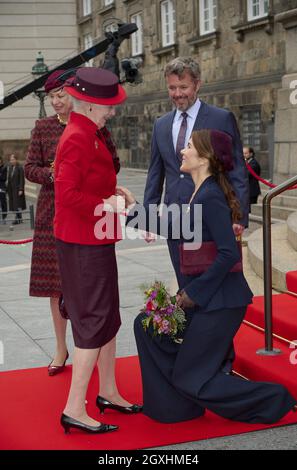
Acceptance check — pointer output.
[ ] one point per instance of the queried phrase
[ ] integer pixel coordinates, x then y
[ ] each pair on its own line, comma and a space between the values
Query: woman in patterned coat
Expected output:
45, 275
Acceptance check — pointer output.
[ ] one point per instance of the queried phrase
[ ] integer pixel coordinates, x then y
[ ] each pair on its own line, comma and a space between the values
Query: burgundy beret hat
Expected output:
222, 146
96, 85
54, 80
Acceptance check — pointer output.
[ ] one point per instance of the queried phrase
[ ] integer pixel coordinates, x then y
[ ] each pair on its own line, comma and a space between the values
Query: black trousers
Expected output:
181, 380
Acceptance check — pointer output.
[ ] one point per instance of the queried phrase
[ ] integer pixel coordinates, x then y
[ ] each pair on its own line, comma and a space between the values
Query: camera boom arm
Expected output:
125, 30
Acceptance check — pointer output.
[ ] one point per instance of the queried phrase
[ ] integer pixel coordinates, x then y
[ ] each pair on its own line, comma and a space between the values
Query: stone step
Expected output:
277, 212
286, 199
284, 256
258, 220
255, 282
292, 230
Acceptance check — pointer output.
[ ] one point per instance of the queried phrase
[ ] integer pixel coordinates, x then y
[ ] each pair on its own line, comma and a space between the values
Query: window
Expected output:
257, 9
87, 7
168, 22
88, 42
136, 37
251, 128
108, 2
208, 16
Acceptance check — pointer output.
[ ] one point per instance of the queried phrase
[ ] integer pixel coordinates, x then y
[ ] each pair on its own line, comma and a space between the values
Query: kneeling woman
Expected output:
181, 380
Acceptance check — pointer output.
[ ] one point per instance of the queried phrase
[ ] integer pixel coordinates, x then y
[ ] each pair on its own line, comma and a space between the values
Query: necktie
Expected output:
180, 144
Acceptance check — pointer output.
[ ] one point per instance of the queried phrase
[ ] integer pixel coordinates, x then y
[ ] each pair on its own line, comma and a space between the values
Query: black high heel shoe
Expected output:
102, 403
68, 423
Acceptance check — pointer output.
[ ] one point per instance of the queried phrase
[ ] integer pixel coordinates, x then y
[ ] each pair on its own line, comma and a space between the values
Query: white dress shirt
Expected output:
191, 118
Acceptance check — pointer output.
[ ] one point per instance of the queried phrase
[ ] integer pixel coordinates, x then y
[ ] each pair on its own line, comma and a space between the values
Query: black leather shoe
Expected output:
68, 423
102, 403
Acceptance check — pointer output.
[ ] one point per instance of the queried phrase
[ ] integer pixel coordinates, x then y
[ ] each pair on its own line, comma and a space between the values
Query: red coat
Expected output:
84, 176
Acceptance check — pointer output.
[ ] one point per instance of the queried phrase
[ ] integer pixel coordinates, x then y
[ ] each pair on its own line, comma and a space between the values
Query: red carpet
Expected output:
279, 369
284, 311
291, 278
32, 402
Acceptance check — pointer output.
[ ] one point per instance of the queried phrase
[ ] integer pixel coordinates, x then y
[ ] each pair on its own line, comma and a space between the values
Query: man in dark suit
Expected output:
16, 189
171, 134
254, 186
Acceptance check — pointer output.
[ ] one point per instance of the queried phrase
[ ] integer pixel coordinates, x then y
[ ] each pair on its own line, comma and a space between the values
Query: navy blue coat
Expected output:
165, 164
217, 288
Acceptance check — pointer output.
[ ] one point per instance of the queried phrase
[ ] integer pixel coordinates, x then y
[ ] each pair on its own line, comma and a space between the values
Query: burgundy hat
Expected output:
222, 146
54, 80
97, 86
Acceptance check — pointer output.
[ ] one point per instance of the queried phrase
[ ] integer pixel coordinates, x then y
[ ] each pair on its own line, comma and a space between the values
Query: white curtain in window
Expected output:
88, 42
257, 9
168, 23
136, 38
87, 7
207, 16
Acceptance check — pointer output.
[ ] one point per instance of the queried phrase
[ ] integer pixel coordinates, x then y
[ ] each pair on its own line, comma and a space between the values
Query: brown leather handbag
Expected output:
196, 261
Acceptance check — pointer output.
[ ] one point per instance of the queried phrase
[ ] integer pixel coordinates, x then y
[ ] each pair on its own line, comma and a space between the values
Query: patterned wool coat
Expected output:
45, 275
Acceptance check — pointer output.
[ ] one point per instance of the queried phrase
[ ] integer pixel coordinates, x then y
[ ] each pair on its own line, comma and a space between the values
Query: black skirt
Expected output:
89, 280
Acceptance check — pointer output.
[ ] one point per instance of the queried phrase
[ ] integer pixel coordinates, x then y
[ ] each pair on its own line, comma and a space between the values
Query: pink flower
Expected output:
157, 319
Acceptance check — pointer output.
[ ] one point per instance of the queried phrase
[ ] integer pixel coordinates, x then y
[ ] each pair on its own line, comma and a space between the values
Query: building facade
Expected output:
241, 49
27, 27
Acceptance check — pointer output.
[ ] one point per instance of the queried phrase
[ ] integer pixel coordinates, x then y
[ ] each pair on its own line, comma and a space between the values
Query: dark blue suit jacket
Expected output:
166, 165
217, 288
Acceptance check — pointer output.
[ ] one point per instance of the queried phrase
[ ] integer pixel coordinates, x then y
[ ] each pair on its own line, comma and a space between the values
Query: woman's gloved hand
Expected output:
184, 301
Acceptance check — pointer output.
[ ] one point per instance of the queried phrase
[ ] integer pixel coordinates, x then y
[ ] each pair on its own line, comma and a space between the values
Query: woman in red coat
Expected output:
86, 233
39, 167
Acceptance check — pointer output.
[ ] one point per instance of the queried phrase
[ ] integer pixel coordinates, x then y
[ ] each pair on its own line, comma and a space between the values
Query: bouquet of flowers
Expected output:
162, 312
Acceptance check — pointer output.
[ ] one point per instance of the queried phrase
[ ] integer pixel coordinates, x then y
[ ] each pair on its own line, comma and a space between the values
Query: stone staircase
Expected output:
284, 251
281, 208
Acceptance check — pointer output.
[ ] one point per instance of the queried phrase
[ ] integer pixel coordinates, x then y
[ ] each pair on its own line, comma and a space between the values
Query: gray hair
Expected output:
181, 65
78, 104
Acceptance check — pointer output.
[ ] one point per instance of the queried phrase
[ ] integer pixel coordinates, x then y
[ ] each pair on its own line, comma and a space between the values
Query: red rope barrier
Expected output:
267, 183
16, 242
262, 180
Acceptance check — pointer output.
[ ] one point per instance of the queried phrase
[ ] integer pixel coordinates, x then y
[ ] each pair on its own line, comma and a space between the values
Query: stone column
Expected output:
285, 141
